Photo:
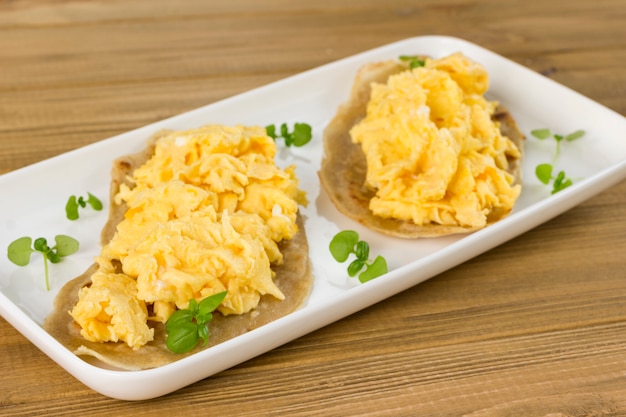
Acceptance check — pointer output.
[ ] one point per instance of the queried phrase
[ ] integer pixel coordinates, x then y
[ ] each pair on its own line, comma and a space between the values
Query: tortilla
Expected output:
343, 167
293, 277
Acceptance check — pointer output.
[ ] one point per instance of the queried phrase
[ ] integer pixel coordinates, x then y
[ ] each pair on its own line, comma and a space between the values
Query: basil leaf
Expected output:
210, 303
178, 318
182, 338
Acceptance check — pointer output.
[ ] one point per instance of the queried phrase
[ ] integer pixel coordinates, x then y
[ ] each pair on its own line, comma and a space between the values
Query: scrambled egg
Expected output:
205, 214
433, 153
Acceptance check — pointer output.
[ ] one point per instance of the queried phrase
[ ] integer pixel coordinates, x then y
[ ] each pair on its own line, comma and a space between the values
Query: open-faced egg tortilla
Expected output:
293, 277
343, 168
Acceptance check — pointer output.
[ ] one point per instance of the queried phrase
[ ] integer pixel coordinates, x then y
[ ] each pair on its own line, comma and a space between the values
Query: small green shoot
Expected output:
71, 207
346, 243
300, 136
19, 251
413, 60
544, 171
187, 326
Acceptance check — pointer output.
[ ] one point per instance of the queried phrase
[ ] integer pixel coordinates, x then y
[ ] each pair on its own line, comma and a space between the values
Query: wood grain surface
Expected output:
534, 327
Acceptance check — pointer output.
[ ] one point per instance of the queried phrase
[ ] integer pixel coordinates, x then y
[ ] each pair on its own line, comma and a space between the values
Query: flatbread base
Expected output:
293, 277
343, 168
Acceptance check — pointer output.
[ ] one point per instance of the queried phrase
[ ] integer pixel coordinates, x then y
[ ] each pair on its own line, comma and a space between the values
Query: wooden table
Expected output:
535, 327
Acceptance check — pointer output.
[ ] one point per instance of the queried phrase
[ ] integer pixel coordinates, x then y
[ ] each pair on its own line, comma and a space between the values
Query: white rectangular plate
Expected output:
33, 201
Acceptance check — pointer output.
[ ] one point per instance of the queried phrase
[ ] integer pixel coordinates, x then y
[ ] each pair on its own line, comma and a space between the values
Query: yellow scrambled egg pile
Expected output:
433, 153
205, 214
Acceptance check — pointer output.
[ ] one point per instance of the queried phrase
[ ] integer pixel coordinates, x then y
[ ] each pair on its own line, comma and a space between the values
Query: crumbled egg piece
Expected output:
109, 310
205, 214
433, 153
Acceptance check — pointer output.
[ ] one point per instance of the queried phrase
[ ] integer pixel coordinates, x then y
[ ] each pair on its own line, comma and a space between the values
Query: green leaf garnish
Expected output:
544, 171
561, 182
413, 60
71, 208
209, 304
19, 251
355, 267
178, 317
271, 131
541, 133
575, 135
376, 269
183, 337
346, 243
186, 327
73, 203
342, 245
65, 245
300, 136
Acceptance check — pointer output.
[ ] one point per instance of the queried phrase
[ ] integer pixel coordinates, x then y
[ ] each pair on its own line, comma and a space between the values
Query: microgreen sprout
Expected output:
187, 326
300, 136
19, 251
413, 60
544, 172
347, 242
71, 207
